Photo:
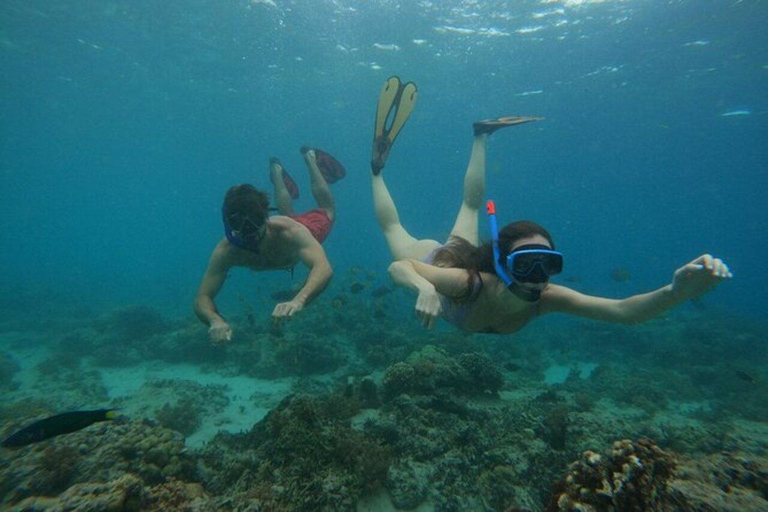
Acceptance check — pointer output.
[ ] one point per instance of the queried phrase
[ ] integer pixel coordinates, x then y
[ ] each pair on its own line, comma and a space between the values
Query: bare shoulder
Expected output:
285, 227
224, 255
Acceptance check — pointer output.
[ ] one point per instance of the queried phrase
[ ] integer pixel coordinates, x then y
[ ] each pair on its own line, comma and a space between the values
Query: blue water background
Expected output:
124, 122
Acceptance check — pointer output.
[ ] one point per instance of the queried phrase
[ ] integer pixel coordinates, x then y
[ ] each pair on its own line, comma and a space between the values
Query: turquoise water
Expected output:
124, 123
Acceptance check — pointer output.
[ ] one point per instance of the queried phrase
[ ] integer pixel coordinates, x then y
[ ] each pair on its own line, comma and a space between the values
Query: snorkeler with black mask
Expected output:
256, 240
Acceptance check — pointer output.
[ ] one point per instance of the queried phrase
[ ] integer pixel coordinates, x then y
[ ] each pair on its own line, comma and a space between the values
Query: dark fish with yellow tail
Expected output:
57, 425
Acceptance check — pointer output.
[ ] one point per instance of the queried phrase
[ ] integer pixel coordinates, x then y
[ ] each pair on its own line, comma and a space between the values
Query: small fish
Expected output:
357, 287
746, 377
339, 302
386, 47
283, 295
572, 279
621, 274
354, 270
381, 291
732, 113
698, 303
57, 425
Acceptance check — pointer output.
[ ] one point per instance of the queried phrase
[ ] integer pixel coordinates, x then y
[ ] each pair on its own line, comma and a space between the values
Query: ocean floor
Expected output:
341, 413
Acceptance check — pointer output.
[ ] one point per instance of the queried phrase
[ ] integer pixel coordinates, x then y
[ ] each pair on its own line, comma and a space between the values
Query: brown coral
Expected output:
632, 476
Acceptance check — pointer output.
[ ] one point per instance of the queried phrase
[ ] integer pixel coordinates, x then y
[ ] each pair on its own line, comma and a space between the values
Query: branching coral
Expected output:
632, 476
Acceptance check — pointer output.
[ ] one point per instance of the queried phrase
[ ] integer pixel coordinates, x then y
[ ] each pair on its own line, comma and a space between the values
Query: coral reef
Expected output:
432, 368
97, 454
723, 481
632, 476
126, 493
304, 455
182, 416
476, 424
305, 354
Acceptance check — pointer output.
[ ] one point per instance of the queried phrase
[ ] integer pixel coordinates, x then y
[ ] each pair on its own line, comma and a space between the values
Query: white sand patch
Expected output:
556, 374
250, 398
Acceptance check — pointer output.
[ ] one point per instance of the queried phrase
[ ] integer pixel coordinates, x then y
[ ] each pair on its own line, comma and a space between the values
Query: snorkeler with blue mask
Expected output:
468, 283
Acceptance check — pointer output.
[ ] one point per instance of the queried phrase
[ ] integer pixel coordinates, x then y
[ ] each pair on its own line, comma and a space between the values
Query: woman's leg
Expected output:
320, 189
282, 196
474, 190
474, 179
401, 244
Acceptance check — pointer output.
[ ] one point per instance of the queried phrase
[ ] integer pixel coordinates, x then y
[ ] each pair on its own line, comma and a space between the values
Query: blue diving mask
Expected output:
531, 263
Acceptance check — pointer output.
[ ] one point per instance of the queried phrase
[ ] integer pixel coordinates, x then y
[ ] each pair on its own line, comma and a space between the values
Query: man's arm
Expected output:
690, 281
312, 255
205, 308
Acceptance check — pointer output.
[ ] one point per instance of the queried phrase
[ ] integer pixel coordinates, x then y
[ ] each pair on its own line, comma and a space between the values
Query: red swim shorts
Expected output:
317, 222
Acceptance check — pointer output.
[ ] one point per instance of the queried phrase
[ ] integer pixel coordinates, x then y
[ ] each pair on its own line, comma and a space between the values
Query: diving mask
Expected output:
531, 263
243, 230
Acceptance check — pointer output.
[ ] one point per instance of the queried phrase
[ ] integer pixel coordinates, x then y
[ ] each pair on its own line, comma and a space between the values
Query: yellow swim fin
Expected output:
396, 102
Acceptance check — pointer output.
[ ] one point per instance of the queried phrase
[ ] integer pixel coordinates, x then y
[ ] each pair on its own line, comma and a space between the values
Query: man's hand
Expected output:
220, 333
699, 276
428, 308
285, 310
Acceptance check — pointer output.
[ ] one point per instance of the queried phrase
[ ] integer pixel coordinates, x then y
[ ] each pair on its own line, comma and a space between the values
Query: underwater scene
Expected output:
383, 255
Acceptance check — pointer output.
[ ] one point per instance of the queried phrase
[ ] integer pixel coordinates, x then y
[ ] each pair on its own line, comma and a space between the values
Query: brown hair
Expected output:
460, 253
247, 201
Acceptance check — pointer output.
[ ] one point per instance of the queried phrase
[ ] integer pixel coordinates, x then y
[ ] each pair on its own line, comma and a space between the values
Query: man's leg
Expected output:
320, 189
474, 189
283, 200
401, 244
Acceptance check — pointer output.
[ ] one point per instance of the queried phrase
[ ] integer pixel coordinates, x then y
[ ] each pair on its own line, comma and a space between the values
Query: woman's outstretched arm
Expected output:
689, 281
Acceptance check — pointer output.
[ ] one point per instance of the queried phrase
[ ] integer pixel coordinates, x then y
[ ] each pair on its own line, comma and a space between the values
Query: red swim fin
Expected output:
330, 168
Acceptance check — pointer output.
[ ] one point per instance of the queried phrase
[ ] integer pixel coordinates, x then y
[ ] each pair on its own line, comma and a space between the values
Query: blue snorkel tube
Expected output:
491, 208
519, 291
228, 230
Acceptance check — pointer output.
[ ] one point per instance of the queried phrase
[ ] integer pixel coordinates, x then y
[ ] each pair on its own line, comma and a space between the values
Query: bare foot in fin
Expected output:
488, 126
276, 166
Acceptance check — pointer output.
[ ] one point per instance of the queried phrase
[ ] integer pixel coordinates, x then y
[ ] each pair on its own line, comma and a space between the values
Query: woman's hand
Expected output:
428, 308
698, 277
